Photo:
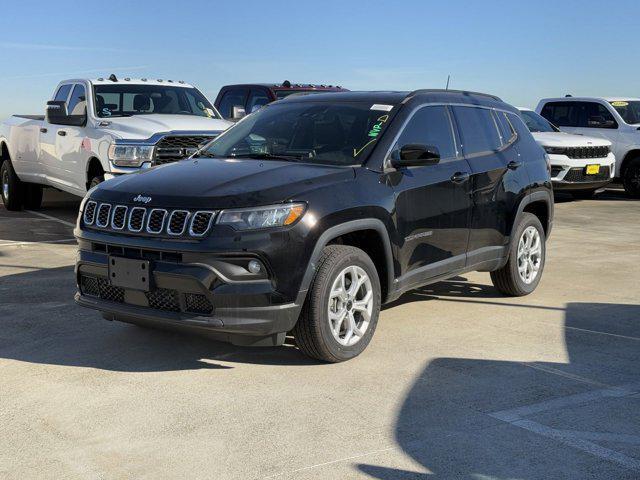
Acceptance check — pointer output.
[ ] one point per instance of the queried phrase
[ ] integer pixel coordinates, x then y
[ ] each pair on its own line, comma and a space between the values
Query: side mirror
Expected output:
237, 112
56, 114
415, 155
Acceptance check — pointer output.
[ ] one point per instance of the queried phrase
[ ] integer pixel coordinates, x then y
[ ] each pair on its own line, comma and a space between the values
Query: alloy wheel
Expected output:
350, 305
529, 254
5, 185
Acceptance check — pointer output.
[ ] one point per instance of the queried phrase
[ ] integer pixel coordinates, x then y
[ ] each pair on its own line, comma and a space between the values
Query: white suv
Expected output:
580, 165
613, 118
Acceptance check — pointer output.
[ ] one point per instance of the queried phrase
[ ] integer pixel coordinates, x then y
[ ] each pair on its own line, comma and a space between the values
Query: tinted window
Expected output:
232, 98
537, 123
504, 127
78, 101
63, 93
257, 99
331, 133
430, 126
478, 131
578, 114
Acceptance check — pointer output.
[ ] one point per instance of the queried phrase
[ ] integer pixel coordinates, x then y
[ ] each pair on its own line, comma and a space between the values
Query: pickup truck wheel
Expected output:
12, 187
342, 307
522, 273
95, 181
631, 177
32, 196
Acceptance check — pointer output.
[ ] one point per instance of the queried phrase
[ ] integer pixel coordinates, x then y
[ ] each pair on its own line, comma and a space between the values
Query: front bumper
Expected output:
189, 295
568, 173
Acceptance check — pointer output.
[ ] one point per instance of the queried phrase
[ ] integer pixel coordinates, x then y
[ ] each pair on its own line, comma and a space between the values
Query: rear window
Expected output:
478, 131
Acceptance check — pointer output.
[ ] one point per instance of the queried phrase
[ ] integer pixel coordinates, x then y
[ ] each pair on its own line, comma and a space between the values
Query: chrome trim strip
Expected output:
113, 216
144, 214
184, 224
164, 215
95, 210
155, 138
193, 218
98, 224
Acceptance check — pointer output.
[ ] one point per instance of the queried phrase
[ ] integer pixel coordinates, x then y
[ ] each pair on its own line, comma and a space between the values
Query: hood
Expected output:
561, 139
141, 127
211, 183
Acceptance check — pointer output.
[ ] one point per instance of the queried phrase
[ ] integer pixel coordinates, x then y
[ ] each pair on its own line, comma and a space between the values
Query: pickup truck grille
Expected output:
154, 221
176, 147
587, 152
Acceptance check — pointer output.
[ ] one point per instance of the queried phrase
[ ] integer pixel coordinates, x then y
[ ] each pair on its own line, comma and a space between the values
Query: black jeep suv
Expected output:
309, 214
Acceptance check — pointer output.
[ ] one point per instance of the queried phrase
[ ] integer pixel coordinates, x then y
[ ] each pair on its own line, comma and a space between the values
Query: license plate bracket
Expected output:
593, 169
129, 273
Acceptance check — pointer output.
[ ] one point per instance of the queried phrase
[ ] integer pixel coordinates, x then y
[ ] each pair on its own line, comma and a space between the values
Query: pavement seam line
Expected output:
54, 219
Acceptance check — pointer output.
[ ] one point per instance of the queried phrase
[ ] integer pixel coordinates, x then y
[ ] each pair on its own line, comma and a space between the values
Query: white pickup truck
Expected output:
96, 129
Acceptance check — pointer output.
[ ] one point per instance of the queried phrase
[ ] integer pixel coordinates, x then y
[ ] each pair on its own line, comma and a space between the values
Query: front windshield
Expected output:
537, 123
319, 132
125, 100
628, 110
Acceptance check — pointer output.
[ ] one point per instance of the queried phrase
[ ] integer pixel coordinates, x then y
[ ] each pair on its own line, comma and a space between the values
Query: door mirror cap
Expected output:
56, 114
238, 112
415, 155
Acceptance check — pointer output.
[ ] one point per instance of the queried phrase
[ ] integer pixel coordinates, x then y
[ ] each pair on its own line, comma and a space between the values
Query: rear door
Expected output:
488, 144
433, 206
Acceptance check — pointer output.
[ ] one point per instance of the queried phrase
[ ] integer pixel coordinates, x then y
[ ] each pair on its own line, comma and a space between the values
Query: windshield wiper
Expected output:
270, 156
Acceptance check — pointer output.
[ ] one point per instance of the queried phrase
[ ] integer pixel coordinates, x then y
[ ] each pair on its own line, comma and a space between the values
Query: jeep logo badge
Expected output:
142, 199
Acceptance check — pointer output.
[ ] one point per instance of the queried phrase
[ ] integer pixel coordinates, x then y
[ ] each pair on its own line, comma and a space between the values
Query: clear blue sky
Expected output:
519, 50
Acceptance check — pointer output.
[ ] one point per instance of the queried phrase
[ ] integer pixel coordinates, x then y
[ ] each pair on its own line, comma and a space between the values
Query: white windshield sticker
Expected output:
381, 107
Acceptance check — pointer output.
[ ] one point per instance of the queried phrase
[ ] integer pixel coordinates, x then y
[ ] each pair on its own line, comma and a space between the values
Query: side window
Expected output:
63, 93
579, 114
478, 131
257, 99
560, 113
78, 101
430, 126
507, 133
597, 116
231, 98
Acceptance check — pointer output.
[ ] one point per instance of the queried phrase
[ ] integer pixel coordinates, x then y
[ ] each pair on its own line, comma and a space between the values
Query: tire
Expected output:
583, 194
314, 331
32, 196
631, 177
95, 180
11, 187
508, 279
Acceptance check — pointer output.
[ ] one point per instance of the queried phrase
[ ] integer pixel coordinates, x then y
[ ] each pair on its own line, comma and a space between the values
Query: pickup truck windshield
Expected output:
537, 123
125, 100
328, 133
628, 110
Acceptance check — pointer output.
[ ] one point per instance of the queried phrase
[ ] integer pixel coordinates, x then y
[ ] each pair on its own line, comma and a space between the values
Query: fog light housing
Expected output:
254, 267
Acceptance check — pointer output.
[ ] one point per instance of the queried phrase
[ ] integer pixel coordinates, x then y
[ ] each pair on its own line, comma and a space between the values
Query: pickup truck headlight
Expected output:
555, 150
262, 217
130, 155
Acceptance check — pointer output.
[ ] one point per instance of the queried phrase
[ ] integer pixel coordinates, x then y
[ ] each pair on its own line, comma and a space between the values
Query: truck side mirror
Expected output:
237, 112
56, 114
412, 155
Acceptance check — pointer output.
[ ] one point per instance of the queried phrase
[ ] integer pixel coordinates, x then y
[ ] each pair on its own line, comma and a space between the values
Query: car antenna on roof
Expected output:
448, 78
286, 84
113, 78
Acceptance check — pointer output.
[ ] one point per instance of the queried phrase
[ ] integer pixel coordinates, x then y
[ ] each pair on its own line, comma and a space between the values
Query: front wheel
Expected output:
342, 307
522, 273
631, 177
12, 187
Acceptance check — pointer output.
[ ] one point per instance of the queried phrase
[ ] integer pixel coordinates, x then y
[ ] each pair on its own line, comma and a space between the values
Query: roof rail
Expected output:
441, 90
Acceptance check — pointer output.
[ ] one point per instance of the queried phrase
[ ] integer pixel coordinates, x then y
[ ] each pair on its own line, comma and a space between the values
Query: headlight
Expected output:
555, 150
262, 217
130, 155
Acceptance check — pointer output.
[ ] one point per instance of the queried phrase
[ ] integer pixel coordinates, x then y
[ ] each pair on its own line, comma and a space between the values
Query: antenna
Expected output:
448, 78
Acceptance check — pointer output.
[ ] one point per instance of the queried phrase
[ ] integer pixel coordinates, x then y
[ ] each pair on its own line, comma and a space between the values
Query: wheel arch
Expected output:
4, 151
540, 204
360, 233
94, 166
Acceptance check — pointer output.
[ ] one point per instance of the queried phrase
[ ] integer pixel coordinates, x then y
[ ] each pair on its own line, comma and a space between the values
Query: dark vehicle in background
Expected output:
309, 214
235, 101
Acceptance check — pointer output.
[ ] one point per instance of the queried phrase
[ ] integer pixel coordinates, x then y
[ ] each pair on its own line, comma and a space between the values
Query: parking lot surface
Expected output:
458, 382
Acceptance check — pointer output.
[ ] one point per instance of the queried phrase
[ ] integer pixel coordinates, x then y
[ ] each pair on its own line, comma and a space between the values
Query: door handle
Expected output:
43, 130
460, 177
512, 165
62, 133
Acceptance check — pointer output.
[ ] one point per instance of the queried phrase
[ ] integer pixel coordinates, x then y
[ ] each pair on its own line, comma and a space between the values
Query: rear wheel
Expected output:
522, 273
12, 187
631, 177
341, 311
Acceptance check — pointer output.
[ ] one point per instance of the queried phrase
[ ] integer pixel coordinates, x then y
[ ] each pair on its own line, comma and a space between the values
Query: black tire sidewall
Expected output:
15, 187
362, 260
526, 220
632, 168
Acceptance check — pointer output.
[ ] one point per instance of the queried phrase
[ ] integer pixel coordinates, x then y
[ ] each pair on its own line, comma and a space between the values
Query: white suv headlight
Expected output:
262, 217
130, 155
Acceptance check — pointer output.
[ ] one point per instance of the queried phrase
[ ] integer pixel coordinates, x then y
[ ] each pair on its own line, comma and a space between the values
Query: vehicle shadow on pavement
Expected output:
40, 323
482, 419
